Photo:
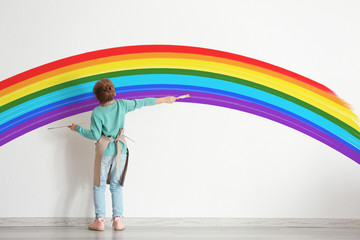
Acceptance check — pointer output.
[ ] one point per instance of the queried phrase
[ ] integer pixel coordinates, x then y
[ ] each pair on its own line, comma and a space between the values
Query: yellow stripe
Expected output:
303, 94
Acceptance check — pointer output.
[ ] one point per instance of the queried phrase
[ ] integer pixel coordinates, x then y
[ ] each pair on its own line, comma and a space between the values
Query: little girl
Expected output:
107, 123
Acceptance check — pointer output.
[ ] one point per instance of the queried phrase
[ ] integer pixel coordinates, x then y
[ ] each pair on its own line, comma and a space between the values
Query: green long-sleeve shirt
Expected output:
110, 119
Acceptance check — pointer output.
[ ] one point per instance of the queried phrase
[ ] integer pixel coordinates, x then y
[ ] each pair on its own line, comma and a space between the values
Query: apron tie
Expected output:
100, 147
120, 137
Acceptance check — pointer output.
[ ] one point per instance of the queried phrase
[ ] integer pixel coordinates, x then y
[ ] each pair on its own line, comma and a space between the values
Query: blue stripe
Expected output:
88, 96
17, 114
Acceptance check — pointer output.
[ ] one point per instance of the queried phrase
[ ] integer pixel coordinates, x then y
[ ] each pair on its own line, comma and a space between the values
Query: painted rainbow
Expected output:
63, 88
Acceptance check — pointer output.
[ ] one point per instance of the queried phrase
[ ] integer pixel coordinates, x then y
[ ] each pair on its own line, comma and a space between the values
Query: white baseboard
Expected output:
188, 222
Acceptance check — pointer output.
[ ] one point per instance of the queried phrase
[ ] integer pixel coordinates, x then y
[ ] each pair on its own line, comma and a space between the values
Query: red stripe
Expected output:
153, 48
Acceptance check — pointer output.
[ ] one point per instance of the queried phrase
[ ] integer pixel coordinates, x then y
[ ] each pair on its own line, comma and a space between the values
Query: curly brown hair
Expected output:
104, 90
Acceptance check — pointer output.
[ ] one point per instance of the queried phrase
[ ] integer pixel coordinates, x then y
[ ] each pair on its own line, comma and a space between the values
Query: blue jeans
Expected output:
107, 163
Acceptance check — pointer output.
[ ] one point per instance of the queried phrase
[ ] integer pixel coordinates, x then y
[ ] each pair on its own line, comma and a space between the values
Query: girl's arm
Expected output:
95, 129
131, 105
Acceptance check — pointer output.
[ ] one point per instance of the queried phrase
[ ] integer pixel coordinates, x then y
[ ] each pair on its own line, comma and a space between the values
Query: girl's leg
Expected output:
115, 187
99, 192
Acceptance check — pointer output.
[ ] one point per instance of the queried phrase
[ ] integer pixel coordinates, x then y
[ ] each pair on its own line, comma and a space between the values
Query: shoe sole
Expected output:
119, 229
96, 229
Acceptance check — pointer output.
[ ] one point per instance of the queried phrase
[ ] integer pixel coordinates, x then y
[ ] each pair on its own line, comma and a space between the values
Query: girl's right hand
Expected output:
165, 100
170, 99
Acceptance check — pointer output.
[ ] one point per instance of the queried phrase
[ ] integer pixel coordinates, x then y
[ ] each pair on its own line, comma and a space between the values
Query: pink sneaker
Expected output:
98, 224
117, 224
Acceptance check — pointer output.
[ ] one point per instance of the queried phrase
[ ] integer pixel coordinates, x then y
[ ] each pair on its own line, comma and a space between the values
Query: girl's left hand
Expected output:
72, 127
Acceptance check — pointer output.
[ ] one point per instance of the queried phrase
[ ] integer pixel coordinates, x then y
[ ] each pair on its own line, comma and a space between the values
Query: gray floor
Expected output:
172, 233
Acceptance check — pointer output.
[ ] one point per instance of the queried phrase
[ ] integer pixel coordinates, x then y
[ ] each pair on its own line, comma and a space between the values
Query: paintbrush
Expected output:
183, 96
82, 124
64, 126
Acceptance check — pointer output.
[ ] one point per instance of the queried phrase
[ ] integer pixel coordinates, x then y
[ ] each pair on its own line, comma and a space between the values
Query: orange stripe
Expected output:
89, 63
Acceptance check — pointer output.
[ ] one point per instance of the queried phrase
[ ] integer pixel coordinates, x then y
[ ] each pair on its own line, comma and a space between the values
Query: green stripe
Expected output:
295, 100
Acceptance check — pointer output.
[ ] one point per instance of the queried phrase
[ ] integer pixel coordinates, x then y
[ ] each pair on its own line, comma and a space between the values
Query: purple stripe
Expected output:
196, 97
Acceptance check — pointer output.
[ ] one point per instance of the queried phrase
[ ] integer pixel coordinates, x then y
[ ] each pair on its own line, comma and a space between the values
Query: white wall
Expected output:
258, 169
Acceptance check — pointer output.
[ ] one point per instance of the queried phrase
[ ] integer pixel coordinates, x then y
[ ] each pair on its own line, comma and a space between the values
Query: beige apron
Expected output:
100, 147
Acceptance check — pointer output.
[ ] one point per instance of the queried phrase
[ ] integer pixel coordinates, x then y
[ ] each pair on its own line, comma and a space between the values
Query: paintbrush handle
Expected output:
64, 126
57, 127
183, 96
